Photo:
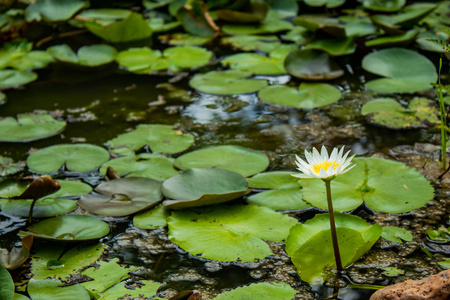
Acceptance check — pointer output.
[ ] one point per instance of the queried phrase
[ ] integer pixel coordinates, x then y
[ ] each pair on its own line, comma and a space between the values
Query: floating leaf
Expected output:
12, 78
307, 96
161, 25
357, 26
384, 185
264, 43
6, 285
322, 23
122, 197
17, 54
141, 60
69, 228
327, 3
91, 56
438, 235
407, 71
392, 271
421, 113
205, 186
184, 39
355, 237
153, 166
230, 82
53, 10
160, 139
132, 28
298, 35
146, 287
255, 12
40, 187
17, 256
312, 65
187, 56
152, 219
8, 166
228, 233
104, 16
432, 41
283, 194
75, 157
334, 46
269, 25
261, 291
392, 41
29, 127
229, 157
384, 5
396, 234
51, 289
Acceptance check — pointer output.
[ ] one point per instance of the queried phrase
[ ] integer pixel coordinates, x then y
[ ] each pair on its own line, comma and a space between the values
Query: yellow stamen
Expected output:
325, 165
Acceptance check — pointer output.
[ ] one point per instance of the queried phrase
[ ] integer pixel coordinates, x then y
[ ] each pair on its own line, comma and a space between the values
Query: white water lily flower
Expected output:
320, 165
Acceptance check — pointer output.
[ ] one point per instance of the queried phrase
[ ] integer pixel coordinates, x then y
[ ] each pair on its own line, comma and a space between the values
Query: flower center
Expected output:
325, 165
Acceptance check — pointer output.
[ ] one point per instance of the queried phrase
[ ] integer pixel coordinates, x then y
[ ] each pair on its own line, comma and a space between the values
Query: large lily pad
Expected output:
51, 289
152, 218
6, 284
261, 291
384, 185
205, 186
283, 191
355, 237
122, 197
75, 157
153, 166
230, 82
69, 228
406, 71
228, 233
160, 139
53, 10
12, 78
229, 157
307, 96
29, 127
90, 56
312, 65
421, 113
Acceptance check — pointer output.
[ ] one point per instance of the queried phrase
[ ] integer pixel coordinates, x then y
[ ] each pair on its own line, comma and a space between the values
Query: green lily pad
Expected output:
122, 197
256, 12
322, 23
104, 16
355, 237
358, 26
75, 157
260, 64
13, 78
160, 139
283, 191
17, 256
17, 54
133, 28
269, 25
406, 71
423, 40
299, 35
230, 82
69, 228
384, 185
312, 65
187, 56
334, 46
29, 127
384, 5
421, 113
90, 56
327, 3
204, 186
183, 39
152, 218
6, 284
53, 10
265, 43
11, 187
51, 205
148, 288
153, 166
51, 289
392, 271
261, 291
392, 41
307, 96
161, 25
8, 166
228, 233
229, 157
396, 234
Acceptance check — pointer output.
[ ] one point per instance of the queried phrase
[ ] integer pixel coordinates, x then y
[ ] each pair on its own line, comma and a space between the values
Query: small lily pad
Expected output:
13, 78
228, 233
269, 25
355, 237
264, 43
90, 56
406, 71
299, 35
334, 46
18, 54
51, 289
307, 96
396, 234
384, 185
205, 186
75, 157
8, 166
183, 39
122, 197
312, 65
153, 166
326, 3
152, 219
160, 139
283, 191
148, 288
29, 127
393, 41
6, 284
260, 291
53, 10
69, 228
322, 23
384, 5
392, 271
421, 113
230, 82
229, 157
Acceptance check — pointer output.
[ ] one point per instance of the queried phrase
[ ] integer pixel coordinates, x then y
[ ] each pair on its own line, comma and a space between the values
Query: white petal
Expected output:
309, 157
334, 156
324, 153
299, 175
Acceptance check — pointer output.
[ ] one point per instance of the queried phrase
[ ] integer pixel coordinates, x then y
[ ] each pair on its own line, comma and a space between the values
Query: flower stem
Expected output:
337, 255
